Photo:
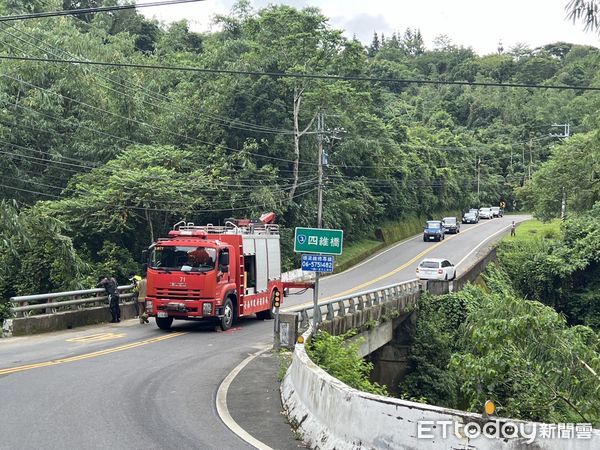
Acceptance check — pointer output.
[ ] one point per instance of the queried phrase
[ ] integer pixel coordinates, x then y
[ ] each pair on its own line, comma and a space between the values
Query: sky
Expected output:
479, 24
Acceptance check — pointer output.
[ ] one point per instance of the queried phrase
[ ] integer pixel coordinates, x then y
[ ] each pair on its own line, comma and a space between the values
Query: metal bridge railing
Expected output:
339, 307
24, 305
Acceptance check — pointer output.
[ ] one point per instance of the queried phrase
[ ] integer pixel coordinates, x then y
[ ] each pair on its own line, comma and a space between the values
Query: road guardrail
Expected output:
67, 301
350, 304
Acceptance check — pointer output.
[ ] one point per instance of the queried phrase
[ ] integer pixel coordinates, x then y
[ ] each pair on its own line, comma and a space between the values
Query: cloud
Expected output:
363, 25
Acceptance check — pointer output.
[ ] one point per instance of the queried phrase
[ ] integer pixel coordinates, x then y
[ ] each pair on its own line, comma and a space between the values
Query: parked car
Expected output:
451, 225
436, 269
470, 218
486, 213
497, 211
434, 231
476, 212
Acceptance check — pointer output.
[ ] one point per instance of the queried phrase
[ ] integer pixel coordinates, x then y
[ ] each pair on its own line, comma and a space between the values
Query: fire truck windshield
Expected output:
197, 259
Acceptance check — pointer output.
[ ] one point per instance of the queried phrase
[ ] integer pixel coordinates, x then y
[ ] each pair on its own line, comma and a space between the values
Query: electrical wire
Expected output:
228, 122
300, 75
145, 124
128, 207
79, 11
160, 200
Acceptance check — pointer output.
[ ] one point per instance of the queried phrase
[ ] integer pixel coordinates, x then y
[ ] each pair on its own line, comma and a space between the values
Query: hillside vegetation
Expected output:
97, 161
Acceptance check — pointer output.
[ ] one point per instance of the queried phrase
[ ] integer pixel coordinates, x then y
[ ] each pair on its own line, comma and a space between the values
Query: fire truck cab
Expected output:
216, 273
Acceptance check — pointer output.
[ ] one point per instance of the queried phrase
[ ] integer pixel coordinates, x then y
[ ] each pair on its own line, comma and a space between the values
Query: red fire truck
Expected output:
216, 272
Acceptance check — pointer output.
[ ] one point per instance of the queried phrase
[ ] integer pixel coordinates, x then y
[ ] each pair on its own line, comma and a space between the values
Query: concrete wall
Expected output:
486, 257
42, 323
331, 415
375, 314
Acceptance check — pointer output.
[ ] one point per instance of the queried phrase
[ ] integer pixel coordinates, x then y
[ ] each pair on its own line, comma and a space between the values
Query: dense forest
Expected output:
98, 160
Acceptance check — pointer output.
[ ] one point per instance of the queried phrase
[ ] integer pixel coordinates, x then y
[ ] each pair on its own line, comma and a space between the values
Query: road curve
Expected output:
133, 386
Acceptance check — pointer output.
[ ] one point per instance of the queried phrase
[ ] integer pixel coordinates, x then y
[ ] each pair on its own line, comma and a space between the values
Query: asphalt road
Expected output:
132, 386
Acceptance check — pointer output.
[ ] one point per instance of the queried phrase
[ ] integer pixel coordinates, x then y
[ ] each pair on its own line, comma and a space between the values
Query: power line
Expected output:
140, 208
74, 12
301, 75
139, 122
243, 184
226, 121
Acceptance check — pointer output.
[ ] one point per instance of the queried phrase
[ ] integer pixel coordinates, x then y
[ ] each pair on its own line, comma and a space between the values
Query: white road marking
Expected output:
483, 242
223, 411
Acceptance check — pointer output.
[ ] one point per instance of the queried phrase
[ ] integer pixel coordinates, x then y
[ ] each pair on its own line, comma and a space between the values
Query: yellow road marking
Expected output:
389, 274
97, 337
107, 351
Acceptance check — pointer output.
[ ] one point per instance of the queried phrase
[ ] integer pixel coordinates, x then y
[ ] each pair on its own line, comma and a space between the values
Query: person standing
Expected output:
135, 280
110, 286
142, 300
512, 228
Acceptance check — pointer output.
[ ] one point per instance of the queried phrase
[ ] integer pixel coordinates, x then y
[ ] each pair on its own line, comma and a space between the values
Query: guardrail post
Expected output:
304, 320
341, 309
317, 317
330, 311
352, 306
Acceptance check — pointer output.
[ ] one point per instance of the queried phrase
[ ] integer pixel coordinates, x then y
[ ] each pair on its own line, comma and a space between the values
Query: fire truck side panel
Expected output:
257, 302
262, 265
274, 258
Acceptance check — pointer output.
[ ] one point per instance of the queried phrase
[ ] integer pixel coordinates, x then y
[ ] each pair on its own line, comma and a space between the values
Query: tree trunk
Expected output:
296, 112
149, 225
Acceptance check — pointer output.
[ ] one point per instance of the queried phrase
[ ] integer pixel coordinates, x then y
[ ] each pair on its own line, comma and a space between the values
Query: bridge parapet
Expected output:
357, 311
331, 415
62, 310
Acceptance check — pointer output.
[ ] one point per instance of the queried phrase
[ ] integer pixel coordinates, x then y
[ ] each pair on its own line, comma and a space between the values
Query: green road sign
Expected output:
318, 240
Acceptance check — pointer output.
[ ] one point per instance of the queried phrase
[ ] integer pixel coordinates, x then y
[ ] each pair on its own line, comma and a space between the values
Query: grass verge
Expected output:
534, 229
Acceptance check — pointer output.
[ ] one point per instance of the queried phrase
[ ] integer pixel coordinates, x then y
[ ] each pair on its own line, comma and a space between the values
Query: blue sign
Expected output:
317, 263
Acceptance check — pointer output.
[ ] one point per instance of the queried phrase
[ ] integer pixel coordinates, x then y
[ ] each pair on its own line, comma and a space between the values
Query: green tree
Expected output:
586, 11
36, 255
522, 355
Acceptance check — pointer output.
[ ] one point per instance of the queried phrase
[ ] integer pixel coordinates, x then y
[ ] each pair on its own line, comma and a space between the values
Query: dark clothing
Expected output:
115, 309
110, 286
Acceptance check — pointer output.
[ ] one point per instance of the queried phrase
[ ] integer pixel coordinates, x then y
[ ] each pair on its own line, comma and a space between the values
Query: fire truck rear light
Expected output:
206, 309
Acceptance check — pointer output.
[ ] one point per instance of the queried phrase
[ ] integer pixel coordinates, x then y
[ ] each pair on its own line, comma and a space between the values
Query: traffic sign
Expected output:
318, 240
317, 263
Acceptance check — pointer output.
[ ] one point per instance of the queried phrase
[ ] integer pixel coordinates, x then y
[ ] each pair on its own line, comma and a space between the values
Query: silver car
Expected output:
486, 213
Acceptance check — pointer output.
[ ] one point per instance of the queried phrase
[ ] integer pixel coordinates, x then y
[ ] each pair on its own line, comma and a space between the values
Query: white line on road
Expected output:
223, 411
481, 243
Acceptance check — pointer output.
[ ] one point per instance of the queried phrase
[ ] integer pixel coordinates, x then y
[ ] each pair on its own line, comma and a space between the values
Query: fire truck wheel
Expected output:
227, 319
164, 323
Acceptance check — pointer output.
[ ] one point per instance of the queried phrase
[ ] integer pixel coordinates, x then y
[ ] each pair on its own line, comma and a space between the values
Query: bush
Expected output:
340, 359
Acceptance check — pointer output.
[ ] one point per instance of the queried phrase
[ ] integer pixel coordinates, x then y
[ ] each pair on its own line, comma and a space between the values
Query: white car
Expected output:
436, 269
486, 213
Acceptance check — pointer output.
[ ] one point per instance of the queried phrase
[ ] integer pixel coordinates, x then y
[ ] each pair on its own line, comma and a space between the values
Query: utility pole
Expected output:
320, 130
530, 157
478, 177
563, 207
